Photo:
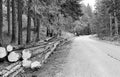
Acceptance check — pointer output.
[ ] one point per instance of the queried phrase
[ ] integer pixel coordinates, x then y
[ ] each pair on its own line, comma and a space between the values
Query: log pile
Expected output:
31, 56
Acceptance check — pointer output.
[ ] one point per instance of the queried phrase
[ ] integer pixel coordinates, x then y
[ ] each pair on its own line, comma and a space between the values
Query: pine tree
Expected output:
38, 30
8, 16
19, 21
13, 22
29, 23
1, 20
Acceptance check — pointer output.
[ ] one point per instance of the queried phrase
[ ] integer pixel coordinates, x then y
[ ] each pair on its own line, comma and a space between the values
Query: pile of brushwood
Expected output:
31, 56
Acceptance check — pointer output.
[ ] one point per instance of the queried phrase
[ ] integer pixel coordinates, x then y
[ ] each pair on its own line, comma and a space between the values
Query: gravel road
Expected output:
92, 58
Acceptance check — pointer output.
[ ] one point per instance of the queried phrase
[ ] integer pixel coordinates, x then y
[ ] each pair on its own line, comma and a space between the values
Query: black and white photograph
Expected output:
59, 38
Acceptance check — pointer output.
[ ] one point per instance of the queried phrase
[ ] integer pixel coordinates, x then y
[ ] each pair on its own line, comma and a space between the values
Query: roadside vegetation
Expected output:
106, 19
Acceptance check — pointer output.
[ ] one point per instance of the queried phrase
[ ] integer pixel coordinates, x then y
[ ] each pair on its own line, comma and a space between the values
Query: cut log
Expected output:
31, 45
52, 49
63, 42
11, 66
26, 54
40, 52
14, 56
47, 49
8, 68
35, 64
9, 48
48, 39
3, 52
32, 52
35, 54
26, 63
17, 72
3, 72
12, 70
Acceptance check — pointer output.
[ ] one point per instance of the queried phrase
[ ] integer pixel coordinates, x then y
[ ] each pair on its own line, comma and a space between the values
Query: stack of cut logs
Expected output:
27, 56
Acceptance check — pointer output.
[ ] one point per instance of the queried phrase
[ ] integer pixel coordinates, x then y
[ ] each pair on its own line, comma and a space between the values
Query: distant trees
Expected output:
113, 10
107, 17
85, 21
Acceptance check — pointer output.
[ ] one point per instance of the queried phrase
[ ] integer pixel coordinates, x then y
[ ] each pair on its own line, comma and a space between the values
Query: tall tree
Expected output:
38, 30
88, 15
89, 10
116, 19
34, 18
13, 22
20, 21
108, 17
29, 23
1, 20
8, 16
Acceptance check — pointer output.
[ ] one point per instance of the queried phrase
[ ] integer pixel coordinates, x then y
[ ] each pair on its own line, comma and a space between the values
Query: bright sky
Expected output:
90, 2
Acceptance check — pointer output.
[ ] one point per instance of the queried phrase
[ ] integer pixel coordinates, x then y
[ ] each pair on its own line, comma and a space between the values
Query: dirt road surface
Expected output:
92, 58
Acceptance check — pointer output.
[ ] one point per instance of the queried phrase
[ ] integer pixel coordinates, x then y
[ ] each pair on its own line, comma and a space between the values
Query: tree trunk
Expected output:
8, 16
38, 30
29, 23
111, 25
116, 20
19, 22
35, 19
1, 21
35, 24
35, 28
116, 25
13, 22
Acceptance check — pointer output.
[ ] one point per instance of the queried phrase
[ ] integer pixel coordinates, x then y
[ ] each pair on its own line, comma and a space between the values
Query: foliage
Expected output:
71, 8
106, 17
50, 14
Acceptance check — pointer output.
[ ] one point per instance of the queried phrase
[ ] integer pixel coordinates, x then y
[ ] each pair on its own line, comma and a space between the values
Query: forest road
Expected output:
92, 58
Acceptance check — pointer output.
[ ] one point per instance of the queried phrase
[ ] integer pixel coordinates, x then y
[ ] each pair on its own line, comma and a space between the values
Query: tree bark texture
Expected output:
1, 20
8, 16
13, 22
19, 22
29, 23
